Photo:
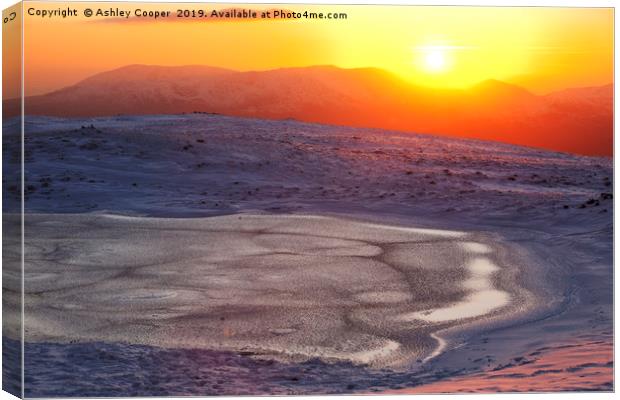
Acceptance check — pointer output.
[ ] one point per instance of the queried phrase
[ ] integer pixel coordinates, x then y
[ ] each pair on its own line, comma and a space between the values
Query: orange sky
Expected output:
542, 49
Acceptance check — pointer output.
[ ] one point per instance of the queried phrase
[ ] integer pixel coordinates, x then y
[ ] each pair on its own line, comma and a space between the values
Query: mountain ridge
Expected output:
577, 120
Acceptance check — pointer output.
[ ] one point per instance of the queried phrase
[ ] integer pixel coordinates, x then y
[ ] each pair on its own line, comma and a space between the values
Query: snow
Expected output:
510, 226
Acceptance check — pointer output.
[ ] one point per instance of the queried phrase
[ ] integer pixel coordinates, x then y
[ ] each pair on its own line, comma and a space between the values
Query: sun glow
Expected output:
434, 59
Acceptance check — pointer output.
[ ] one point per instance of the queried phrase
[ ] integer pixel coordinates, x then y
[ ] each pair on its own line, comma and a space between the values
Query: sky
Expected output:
542, 49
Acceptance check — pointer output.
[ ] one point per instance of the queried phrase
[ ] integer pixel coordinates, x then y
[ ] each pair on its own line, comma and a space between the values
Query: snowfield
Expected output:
190, 165
479, 257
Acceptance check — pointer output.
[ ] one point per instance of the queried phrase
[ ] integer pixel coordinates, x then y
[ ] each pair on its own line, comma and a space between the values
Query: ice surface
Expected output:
283, 286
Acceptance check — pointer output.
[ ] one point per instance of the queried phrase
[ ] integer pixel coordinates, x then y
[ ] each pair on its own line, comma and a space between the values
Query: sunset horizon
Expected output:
369, 67
551, 66
541, 49
368, 97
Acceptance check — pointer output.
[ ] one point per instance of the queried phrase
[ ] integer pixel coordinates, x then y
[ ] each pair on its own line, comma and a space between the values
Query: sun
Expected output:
433, 59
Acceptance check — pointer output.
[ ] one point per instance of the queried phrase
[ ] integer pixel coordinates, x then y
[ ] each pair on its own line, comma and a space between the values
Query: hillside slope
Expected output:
573, 120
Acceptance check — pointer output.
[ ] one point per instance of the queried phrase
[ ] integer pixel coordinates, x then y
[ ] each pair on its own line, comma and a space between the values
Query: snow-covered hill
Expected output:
574, 120
204, 165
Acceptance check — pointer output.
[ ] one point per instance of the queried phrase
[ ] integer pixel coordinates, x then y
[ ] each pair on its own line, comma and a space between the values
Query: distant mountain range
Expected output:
574, 120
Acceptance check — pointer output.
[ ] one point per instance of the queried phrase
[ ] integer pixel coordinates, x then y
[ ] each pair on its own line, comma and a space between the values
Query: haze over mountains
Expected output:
573, 120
